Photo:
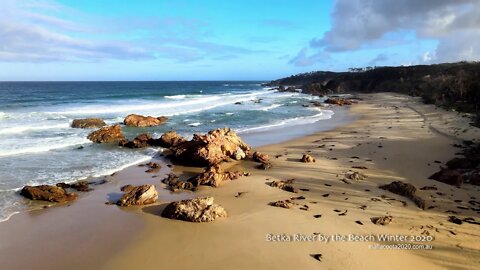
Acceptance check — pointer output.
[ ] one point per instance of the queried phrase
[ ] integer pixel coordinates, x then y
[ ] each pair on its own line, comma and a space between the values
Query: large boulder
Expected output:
214, 176
135, 120
138, 195
47, 193
210, 149
170, 138
88, 123
405, 190
194, 210
107, 134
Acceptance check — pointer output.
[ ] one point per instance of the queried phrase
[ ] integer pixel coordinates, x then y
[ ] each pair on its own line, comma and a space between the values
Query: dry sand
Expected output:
396, 138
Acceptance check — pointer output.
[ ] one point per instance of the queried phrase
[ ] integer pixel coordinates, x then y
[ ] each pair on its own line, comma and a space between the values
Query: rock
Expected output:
214, 176
238, 103
81, 185
260, 157
47, 193
385, 220
338, 101
88, 123
306, 158
141, 141
284, 185
355, 176
264, 166
406, 190
153, 167
448, 176
455, 220
138, 195
194, 210
170, 138
135, 120
209, 149
107, 134
461, 163
174, 184
284, 204
239, 154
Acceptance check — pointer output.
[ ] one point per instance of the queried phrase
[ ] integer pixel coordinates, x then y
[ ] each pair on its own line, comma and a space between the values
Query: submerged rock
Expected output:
209, 149
194, 210
88, 123
406, 190
135, 120
47, 193
306, 158
138, 195
107, 134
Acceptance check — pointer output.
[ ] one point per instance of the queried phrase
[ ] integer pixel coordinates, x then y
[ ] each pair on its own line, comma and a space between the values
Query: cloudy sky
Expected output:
228, 40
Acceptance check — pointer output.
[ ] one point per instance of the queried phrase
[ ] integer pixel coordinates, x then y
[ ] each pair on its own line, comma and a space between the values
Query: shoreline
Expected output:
144, 229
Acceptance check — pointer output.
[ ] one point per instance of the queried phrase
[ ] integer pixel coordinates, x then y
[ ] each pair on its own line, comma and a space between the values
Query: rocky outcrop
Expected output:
170, 139
47, 193
405, 190
135, 120
214, 176
306, 158
284, 185
209, 149
194, 210
138, 195
88, 123
107, 134
141, 141
83, 186
338, 101
174, 184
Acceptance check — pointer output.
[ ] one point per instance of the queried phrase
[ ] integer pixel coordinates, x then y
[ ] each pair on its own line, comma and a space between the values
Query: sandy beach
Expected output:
395, 137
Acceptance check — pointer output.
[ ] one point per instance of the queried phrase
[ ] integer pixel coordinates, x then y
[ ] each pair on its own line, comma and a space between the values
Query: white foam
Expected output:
22, 129
195, 124
43, 146
273, 106
176, 97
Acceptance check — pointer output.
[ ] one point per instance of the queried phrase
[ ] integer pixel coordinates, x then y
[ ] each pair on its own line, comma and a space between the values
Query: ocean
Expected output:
38, 146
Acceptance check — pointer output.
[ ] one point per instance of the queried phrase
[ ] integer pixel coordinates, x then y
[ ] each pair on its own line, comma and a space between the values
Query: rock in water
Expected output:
47, 193
209, 149
170, 138
261, 157
194, 210
306, 158
214, 176
141, 141
88, 123
138, 195
135, 120
406, 190
107, 134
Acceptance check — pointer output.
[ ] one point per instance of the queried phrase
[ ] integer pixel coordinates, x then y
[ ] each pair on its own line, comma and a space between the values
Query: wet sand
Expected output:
395, 137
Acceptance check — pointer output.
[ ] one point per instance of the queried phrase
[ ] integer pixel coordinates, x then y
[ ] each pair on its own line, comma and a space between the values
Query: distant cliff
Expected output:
450, 85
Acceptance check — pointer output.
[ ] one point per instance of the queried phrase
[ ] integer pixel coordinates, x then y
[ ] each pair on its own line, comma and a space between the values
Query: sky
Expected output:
65, 40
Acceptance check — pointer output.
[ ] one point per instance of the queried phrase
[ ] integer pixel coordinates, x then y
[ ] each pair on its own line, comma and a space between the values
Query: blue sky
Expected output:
227, 40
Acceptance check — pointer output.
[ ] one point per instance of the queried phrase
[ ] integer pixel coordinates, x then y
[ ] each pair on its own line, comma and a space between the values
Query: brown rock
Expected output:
284, 204
385, 220
406, 190
338, 101
214, 176
448, 176
210, 149
138, 195
174, 184
170, 138
355, 176
141, 141
107, 134
284, 185
261, 157
82, 186
306, 158
88, 123
194, 210
264, 166
47, 193
135, 120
